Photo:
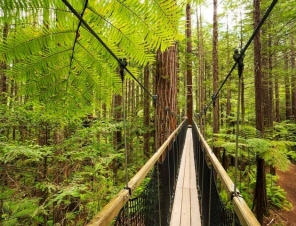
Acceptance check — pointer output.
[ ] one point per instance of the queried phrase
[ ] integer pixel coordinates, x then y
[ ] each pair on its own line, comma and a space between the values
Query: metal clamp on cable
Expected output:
239, 58
122, 65
237, 194
129, 190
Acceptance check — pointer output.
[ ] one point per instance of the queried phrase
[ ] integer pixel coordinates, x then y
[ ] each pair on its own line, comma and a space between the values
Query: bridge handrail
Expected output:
240, 207
111, 210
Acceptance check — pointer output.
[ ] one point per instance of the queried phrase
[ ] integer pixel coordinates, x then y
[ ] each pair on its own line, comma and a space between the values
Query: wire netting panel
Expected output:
213, 210
153, 205
141, 210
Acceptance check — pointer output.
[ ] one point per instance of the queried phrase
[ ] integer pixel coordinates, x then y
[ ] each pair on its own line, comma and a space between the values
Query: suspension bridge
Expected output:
185, 176
183, 189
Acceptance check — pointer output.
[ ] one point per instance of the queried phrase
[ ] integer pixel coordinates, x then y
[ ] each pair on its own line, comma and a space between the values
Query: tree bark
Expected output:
215, 74
166, 91
201, 70
277, 95
3, 67
265, 78
270, 85
117, 114
288, 91
260, 195
147, 102
293, 78
189, 65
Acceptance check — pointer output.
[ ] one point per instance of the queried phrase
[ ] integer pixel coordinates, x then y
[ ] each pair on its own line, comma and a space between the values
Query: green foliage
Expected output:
60, 63
276, 195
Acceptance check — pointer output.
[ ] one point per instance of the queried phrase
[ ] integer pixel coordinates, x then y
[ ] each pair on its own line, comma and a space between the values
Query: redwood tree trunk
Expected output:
288, 91
117, 114
270, 85
146, 113
277, 95
260, 195
3, 67
201, 70
215, 74
293, 79
166, 91
189, 64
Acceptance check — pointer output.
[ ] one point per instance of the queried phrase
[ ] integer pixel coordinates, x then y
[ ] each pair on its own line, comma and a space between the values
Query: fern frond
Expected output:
56, 58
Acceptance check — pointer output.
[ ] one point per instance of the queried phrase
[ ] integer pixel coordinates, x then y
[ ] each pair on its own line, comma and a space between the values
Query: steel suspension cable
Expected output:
125, 146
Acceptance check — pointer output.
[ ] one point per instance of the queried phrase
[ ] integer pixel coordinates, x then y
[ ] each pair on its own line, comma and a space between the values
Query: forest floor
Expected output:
287, 180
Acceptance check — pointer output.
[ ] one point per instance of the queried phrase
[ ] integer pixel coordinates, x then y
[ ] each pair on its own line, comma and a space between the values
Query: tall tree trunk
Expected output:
293, 78
189, 65
277, 94
201, 69
228, 98
3, 67
147, 102
166, 91
215, 74
288, 91
59, 209
270, 85
117, 114
3, 80
260, 195
265, 81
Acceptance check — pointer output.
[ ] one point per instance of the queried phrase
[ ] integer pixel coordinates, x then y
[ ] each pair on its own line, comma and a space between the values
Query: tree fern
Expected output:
56, 58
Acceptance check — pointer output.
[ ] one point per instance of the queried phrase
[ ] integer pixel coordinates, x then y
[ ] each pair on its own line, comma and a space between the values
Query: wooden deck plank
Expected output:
181, 172
194, 211
192, 168
186, 205
177, 208
185, 214
186, 182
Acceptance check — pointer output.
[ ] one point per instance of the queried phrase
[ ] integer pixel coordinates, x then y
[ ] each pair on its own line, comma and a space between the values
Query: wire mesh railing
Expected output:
153, 205
213, 210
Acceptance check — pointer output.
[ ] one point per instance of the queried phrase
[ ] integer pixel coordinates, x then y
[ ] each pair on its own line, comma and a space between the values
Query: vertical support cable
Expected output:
210, 196
168, 150
125, 146
202, 181
155, 145
239, 60
236, 140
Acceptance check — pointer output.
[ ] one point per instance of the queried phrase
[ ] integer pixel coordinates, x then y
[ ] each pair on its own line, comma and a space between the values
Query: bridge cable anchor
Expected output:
235, 194
129, 190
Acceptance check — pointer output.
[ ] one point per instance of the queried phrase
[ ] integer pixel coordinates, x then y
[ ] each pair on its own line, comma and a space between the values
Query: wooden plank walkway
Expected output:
186, 205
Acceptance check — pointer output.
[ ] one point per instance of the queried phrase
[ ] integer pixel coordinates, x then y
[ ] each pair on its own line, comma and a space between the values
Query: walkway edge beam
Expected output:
111, 210
240, 207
